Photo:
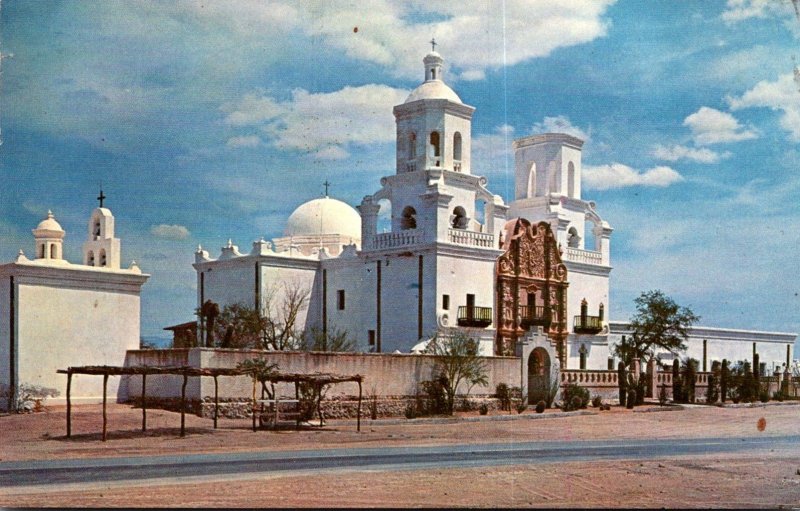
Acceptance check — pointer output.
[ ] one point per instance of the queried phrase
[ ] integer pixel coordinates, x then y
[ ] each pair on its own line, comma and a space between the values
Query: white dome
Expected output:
324, 216
49, 224
433, 89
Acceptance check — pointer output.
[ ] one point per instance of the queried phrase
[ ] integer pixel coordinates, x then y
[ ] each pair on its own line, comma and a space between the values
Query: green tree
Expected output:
659, 323
457, 361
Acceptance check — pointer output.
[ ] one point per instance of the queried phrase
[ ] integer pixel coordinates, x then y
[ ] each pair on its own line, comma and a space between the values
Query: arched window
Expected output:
412, 146
460, 219
573, 240
457, 146
90, 258
96, 231
434, 149
102, 257
532, 180
53, 251
409, 218
571, 179
555, 179
42, 252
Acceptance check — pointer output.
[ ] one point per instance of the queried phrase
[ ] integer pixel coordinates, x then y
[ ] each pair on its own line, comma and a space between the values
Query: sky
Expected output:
207, 120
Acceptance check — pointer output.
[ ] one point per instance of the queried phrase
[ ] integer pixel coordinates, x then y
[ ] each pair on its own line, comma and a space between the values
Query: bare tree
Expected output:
457, 360
282, 305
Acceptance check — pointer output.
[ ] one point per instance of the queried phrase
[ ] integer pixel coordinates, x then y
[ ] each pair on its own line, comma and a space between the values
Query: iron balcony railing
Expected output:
587, 324
474, 316
534, 316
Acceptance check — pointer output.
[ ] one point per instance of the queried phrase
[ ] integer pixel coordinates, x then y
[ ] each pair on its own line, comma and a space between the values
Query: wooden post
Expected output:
297, 398
254, 402
183, 404
275, 404
144, 402
358, 415
105, 419
69, 403
216, 401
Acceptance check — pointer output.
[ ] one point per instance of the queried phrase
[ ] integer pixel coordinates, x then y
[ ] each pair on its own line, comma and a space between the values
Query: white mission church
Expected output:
456, 255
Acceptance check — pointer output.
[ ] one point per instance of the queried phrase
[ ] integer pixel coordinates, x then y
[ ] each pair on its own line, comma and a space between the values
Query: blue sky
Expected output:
213, 120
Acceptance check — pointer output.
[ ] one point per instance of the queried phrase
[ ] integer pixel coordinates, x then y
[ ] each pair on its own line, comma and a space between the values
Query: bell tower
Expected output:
433, 125
101, 248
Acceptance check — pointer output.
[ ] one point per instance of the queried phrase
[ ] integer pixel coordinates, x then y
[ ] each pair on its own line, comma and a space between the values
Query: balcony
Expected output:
534, 316
470, 238
397, 239
474, 316
587, 324
583, 256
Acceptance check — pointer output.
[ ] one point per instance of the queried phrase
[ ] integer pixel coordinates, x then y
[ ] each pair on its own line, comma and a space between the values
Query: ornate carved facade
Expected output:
531, 286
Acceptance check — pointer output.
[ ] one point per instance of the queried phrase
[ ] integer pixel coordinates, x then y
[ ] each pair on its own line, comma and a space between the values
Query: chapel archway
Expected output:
538, 375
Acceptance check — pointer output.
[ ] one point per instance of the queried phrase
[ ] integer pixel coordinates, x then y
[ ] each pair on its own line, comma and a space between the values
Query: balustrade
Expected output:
397, 239
470, 238
583, 256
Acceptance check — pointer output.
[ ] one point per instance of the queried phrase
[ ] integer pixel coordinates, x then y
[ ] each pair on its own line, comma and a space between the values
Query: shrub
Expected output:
712, 393
503, 394
662, 395
763, 396
411, 412
29, 398
622, 382
483, 409
521, 407
778, 396
631, 402
540, 406
606, 407
597, 402
574, 397
435, 400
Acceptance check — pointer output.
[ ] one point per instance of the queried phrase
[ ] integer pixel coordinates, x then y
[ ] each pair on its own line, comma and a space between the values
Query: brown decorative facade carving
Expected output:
531, 286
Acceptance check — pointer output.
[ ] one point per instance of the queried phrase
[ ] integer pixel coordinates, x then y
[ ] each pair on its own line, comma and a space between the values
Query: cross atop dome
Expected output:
433, 44
101, 197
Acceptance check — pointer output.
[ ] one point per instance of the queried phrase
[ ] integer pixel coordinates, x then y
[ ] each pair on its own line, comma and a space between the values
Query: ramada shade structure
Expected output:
318, 380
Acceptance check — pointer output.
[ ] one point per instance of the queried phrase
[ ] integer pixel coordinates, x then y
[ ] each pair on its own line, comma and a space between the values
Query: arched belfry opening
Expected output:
435, 149
457, 151
408, 219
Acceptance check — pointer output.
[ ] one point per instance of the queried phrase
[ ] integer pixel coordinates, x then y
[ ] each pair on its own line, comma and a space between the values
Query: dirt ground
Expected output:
766, 479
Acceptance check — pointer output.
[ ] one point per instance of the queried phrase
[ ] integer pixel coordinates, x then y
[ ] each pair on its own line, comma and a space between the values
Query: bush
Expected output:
662, 395
483, 409
778, 396
521, 407
597, 402
540, 406
411, 412
574, 397
435, 400
29, 398
503, 394
606, 407
763, 396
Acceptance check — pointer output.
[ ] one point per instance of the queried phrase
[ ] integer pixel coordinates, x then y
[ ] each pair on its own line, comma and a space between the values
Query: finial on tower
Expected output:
433, 44
101, 197
327, 184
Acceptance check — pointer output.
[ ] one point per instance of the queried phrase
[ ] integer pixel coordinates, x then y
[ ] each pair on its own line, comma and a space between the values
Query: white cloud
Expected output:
559, 124
474, 35
740, 10
617, 175
680, 152
782, 95
711, 126
170, 232
244, 141
323, 123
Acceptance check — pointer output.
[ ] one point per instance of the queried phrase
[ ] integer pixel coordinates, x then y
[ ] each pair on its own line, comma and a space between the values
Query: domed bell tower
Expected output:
433, 125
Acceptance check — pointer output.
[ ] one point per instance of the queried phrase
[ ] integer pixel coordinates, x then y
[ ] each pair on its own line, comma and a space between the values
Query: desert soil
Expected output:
763, 479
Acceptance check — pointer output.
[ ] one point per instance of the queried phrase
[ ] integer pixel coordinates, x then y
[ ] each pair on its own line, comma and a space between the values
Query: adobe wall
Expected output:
384, 374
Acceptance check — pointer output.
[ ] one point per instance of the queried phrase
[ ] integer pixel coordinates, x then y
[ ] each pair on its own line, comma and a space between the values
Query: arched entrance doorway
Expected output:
538, 375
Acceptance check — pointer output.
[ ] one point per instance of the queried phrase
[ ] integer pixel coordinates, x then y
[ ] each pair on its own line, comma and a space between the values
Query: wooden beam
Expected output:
183, 404
69, 404
144, 402
105, 418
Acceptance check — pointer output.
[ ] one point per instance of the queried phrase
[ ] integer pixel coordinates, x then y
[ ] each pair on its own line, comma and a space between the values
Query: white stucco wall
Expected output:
60, 327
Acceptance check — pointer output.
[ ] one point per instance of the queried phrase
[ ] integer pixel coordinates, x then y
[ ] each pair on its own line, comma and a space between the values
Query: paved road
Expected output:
16, 475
